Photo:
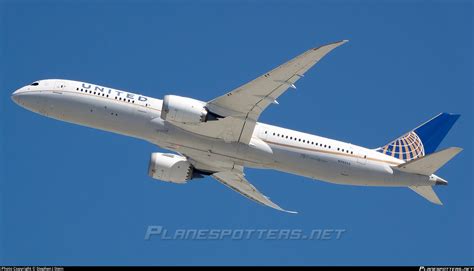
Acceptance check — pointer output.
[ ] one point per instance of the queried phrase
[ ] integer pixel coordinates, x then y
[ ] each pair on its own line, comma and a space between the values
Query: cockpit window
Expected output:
35, 84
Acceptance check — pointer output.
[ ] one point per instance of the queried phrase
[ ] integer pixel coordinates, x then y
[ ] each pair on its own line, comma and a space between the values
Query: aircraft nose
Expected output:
16, 96
35, 101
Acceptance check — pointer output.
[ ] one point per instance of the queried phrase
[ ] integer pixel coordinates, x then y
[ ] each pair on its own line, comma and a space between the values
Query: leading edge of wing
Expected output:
270, 85
248, 101
241, 108
238, 183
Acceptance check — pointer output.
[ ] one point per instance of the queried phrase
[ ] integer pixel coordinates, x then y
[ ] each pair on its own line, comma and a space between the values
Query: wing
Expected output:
247, 102
237, 182
242, 107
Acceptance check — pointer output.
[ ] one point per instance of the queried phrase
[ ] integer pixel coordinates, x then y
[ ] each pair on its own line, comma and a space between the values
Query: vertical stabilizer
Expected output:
422, 140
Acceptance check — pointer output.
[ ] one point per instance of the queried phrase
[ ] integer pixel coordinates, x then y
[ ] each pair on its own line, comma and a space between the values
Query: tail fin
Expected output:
422, 140
428, 193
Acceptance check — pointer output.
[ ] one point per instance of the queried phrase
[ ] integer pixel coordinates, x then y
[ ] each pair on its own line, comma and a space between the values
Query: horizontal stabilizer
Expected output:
427, 192
429, 164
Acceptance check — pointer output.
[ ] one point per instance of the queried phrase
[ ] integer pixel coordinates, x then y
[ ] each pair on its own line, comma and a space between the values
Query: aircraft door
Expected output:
361, 157
263, 133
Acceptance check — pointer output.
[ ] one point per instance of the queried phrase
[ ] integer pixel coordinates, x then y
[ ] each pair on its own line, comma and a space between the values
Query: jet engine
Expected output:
185, 110
182, 109
170, 168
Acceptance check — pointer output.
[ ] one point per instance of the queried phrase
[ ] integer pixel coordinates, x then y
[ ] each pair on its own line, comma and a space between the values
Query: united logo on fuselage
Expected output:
118, 93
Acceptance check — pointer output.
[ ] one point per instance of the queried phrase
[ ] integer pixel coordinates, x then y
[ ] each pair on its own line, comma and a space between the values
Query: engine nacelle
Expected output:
183, 110
170, 168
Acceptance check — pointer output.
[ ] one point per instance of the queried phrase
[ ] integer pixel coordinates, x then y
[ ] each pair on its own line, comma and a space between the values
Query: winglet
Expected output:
329, 47
291, 212
281, 209
341, 42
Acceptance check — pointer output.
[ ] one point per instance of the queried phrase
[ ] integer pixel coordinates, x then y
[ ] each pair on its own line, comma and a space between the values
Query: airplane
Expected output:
220, 137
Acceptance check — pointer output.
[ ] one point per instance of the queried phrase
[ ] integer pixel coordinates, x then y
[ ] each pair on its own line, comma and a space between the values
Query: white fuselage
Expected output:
271, 147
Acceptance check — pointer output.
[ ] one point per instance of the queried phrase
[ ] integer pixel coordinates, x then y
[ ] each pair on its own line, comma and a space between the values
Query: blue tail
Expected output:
421, 141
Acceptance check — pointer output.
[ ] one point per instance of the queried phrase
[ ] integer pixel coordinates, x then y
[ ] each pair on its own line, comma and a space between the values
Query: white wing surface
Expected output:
237, 182
242, 107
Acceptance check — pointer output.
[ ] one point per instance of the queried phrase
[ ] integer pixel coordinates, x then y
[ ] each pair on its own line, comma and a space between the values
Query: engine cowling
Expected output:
183, 109
170, 168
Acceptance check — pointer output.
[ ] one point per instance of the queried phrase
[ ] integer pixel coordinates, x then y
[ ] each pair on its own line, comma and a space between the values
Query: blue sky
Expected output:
72, 195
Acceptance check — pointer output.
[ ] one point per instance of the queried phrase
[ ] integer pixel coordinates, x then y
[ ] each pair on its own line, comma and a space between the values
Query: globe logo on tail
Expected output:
407, 147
